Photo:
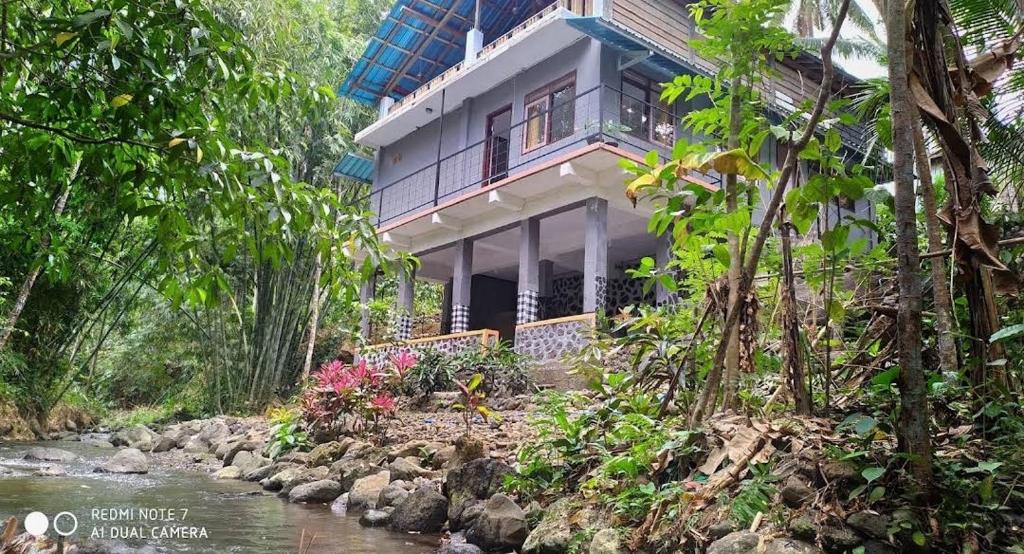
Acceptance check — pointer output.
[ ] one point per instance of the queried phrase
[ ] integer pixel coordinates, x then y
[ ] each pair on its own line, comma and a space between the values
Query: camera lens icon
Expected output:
70, 524
64, 524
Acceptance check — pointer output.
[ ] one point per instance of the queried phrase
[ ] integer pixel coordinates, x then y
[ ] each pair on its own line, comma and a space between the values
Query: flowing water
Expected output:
174, 510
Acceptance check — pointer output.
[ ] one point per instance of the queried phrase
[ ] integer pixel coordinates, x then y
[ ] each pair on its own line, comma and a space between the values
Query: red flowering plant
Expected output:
361, 394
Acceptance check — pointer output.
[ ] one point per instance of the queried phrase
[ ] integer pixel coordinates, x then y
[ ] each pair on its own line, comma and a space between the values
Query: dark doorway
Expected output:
496, 147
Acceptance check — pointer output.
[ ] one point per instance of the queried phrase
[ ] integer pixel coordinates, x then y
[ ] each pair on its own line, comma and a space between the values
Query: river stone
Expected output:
553, 535
47, 454
740, 542
415, 449
179, 434
98, 443
366, 491
393, 494
50, 471
501, 526
477, 480
305, 475
328, 453
405, 469
195, 445
247, 461
295, 457
163, 443
347, 470
375, 518
838, 537
423, 511
460, 548
129, 460
230, 472
138, 436
795, 493
872, 524
606, 541
277, 480
214, 431
238, 447
317, 492
267, 471
791, 546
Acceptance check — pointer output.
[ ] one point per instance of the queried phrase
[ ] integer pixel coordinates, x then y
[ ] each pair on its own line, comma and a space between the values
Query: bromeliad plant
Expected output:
360, 393
473, 403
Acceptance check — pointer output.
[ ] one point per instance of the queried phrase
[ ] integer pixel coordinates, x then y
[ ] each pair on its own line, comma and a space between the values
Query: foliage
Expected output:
364, 393
754, 496
505, 372
286, 434
472, 403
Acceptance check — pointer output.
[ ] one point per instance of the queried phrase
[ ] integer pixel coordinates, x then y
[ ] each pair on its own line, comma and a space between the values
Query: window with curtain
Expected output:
642, 112
550, 113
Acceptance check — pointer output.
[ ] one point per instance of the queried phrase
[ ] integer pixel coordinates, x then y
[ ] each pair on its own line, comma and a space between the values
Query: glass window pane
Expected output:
536, 124
663, 129
563, 113
633, 110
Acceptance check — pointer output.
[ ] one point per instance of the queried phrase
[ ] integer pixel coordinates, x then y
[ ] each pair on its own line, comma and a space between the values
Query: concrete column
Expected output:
595, 255
462, 280
528, 305
385, 106
404, 308
474, 43
367, 292
662, 255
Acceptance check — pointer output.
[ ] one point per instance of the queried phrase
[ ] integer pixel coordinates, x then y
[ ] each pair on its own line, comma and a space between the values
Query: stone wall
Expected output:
448, 344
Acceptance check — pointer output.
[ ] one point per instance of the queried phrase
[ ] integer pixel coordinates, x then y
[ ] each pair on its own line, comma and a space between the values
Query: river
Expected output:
174, 510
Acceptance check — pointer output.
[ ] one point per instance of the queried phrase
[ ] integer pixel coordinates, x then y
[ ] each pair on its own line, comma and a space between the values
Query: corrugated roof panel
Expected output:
355, 167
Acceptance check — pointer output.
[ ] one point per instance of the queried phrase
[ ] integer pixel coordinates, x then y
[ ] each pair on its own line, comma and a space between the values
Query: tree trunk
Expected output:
913, 420
314, 319
732, 355
33, 274
791, 348
940, 288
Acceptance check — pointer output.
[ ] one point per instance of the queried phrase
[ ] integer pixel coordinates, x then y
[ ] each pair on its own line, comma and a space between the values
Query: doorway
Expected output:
496, 145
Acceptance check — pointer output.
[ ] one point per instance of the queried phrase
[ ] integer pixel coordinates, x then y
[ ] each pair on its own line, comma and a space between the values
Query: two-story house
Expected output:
501, 126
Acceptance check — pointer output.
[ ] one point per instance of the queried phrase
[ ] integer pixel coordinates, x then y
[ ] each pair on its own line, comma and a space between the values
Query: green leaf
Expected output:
121, 100
876, 494
872, 473
475, 381
919, 538
64, 37
1007, 333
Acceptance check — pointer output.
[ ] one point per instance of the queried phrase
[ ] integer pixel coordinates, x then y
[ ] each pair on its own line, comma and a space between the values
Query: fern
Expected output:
755, 495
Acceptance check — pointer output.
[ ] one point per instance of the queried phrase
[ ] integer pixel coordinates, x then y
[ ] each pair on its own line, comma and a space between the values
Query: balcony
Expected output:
601, 115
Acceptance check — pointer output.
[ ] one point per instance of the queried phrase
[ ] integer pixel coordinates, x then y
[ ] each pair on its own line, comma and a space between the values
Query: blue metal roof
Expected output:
420, 39
355, 167
622, 39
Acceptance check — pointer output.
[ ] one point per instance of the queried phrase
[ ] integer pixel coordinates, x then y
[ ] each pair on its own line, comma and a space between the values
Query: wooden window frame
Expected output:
652, 99
545, 95
488, 146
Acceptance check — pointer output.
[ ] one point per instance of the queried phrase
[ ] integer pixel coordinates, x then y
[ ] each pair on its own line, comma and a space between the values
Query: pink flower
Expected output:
383, 402
360, 372
403, 362
329, 373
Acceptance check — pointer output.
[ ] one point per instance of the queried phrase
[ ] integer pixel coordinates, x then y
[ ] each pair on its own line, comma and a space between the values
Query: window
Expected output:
642, 112
550, 113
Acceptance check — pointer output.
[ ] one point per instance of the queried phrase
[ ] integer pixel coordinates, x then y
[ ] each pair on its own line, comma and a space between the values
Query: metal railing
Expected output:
601, 114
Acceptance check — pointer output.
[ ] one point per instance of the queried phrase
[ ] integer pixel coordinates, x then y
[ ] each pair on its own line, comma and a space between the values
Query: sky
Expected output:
858, 67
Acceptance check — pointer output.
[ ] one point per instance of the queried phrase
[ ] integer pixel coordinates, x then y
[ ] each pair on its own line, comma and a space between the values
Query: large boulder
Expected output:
366, 491
317, 492
306, 475
423, 511
375, 518
606, 541
237, 447
276, 481
347, 470
395, 493
46, 454
129, 460
329, 452
248, 461
501, 526
740, 542
553, 535
266, 471
138, 436
872, 524
230, 472
405, 469
477, 480
163, 443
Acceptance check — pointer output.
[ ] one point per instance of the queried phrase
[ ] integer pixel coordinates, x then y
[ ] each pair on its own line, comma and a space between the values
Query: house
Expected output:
500, 131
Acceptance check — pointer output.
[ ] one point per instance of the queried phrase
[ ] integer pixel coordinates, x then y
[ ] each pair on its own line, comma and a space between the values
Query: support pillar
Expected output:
404, 309
462, 281
367, 292
528, 305
662, 256
547, 287
595, 255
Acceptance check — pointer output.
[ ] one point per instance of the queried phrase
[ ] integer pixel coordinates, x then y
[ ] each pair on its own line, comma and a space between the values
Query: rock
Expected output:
606, 541
459, 548
467, 449
328, 453
236, 448
375, 518
139, 437
837, 537
795, 493
740, 542
300, 477
50, 471
553, 535
230, 472
5, 429
247, 461
46, 454
163, 443
98, 443
871, 524
214, 431
791, 546
501, 525
477, 480
129, 460
444, 457
347, 470
407, 470
395, 493
277, 480
195, 445
359, 450
317, 492
839, 472
179, 434
265, 472
295, 457
803, 528
415, 449
878, 547
423, 511
721, 528
366, 490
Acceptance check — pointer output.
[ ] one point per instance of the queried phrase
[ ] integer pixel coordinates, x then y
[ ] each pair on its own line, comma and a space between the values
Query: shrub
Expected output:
285, 432
504, 372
